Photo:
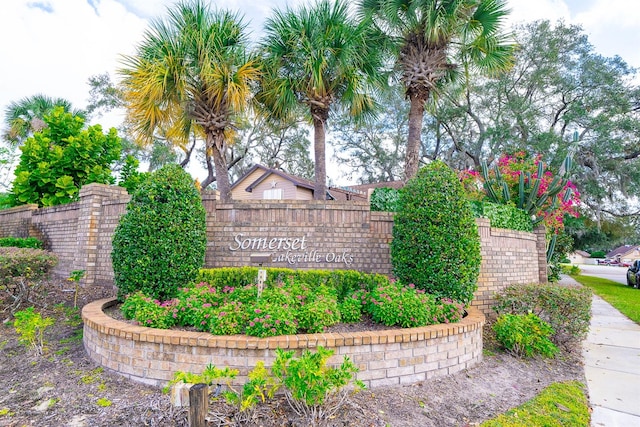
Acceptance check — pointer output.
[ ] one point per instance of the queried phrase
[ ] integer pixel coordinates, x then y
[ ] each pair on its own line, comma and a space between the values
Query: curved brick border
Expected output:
397, 356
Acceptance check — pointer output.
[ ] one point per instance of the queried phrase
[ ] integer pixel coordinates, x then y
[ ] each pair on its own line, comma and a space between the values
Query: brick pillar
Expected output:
91, 200
541, 245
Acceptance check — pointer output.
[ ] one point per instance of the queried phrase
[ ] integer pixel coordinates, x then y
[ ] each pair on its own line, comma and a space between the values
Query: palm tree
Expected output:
430, 39
315, 60
24, 117
191, 73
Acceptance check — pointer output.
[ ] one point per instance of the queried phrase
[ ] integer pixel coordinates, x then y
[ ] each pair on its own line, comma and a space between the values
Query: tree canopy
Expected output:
62, 157
431, 41
192, 73
318, 59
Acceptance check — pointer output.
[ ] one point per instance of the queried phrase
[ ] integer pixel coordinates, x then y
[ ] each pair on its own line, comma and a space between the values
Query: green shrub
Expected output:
270, 319
384, 200
149, 312
21, 242
228, 319
566, 309
316, 315
160, 242
345, 282
571, 270
314, 391
436, 244
503, 216
25, 264
210, 375
22, 272
525, 335
448, 311
351, 309
598, 254
404, 306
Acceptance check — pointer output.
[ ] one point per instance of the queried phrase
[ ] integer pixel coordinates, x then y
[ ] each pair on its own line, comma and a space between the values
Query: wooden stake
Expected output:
198, 405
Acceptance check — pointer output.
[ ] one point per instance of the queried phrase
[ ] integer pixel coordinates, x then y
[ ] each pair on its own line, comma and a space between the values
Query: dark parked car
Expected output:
633, 274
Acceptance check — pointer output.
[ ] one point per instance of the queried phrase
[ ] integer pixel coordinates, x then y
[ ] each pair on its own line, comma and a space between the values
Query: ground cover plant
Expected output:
21, 242
287, 307
525, 335
560, 404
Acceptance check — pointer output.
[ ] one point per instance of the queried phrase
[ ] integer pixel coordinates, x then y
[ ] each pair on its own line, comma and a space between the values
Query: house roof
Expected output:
347, 193
373, 185
622, 250
583, 254
354, 192
295, 180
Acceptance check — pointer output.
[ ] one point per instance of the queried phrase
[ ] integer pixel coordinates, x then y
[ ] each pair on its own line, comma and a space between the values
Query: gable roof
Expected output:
295, 180
347, 193
622, 250
581, 253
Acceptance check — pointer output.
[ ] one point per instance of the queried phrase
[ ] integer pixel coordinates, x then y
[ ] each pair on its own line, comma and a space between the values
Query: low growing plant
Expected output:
21, 242
228, 319
398, 305
260, 387
318, 311
210, 375
149, 312
22, 271
313, 390
569, 269
351, 309
270, 319
30, 325
525, 335
566, 309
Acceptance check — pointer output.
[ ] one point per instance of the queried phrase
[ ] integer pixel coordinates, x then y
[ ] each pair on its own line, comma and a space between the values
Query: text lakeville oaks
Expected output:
292, 250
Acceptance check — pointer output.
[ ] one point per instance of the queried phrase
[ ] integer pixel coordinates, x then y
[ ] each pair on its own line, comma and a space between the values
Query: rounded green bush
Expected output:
159, 244
436, 245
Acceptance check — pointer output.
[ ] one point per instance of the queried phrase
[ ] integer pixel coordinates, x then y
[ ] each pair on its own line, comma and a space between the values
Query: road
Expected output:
617, 274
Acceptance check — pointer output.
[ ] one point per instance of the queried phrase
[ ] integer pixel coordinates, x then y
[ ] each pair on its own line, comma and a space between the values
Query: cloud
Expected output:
45, 6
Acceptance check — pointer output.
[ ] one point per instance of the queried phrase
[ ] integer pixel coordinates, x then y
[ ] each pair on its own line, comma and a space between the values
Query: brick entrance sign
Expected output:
287, 233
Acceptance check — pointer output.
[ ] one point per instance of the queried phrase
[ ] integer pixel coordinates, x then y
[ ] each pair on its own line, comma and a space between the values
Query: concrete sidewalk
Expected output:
611, 355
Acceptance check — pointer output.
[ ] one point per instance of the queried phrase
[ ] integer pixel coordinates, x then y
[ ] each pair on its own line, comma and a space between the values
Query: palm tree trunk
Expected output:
412, 158
320, 190
220, 164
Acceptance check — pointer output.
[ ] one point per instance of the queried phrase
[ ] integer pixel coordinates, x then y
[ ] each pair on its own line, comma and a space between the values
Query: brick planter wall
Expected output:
391, 357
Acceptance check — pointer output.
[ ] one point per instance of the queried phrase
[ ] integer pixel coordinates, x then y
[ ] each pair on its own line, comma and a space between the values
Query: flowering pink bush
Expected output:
555, 196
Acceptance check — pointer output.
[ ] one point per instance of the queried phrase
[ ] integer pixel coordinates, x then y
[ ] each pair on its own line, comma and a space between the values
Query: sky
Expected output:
52, 47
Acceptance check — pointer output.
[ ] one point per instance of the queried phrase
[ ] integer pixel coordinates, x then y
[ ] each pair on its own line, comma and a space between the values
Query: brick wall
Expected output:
391, 357
295, 234
299, 234
15, 222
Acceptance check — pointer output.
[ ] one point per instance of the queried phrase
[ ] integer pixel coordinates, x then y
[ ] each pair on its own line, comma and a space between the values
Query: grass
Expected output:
623, 298
560, 404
